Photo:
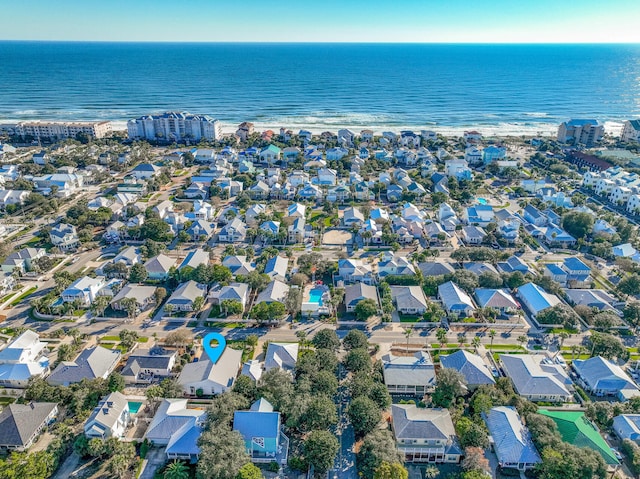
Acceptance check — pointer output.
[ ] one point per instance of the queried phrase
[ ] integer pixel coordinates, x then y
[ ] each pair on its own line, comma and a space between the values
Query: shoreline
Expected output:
488, 130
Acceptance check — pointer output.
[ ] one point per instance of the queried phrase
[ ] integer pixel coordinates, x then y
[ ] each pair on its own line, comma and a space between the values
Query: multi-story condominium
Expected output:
585, 132
631, 131
55, 130
174, 126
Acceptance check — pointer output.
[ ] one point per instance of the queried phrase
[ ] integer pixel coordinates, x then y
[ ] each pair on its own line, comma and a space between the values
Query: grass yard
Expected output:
28, 292
407, 318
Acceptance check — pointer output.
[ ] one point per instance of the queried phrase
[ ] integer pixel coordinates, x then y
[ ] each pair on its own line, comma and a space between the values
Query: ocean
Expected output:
509, 89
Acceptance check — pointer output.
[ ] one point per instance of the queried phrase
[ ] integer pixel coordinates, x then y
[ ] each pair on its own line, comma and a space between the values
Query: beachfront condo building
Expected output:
580, 132
174, 126
58, 130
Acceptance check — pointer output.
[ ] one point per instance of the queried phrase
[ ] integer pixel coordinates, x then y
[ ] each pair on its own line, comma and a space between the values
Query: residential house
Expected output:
425, 434
327, 177
475, 371
21, 424
594, 298
253, 212
233, 232
513, 264
435, 268
296, 210
275, 292
146, 366
281, 355
409, 375
260, 428
83, 290
64, 237
208, 378
184, 297
110, 418
392, 265
480, 215
92, 363
510, 439
159, 266
22, 260
144, 296
270, 155
355, 270
455, 300
499, 300
354, 293
12, 197
339, 193
177, 427
601, 377
447, 217
233, 292
194, 259
537, 377
145, 171
200, 229
276, 268
534, 216
409, 300
535, 298
627, 426
23, 358
577, 430
473, 235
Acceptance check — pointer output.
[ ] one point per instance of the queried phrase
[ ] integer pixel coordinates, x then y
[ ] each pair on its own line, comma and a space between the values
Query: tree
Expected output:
450, 384
364, 415
249, 471
320, 413
326, 339
358, 360
320, 449
276, 387
138, 273
431, 472
130, 305
179, 337
471, 433
630, 285
99, 305
231, 307
391, 471
116, 382
378, 446
490, 280
355, 339
408, 332
293, 300
474, 460
631, 313
246, 387
522, 340
198, 303
128, 338
577, 224
607, 346
176, 470
159, 294
222, 454
492, 335
365, 309
299, 279
441, 334
558, 314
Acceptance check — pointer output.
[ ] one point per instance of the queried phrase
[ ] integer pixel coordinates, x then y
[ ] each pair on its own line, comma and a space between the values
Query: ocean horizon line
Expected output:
307, 43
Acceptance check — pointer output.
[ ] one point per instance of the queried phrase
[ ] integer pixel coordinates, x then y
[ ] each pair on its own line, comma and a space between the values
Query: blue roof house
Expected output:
511, 439
493, 153
535, 298
260, 429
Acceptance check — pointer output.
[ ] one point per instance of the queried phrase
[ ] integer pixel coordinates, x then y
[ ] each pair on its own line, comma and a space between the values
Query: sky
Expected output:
414, 21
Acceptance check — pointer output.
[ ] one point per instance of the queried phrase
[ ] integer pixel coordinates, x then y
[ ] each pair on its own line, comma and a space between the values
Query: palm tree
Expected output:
522, 340
462, 337
431, 472
302, 336
563, 335
492, 334
475, 342
176, 470
441, 334
408, 332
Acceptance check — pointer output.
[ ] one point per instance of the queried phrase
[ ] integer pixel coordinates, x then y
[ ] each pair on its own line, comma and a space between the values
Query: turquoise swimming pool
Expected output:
315, 296
482, 201
134, 407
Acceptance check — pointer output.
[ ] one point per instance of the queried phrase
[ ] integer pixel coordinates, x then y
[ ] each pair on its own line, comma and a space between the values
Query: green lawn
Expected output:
28, 292
407, 318
5, 400
143, 339
212, 324
110, 338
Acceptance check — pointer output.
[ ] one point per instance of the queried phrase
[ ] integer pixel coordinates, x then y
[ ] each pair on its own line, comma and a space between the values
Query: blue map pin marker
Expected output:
214, 352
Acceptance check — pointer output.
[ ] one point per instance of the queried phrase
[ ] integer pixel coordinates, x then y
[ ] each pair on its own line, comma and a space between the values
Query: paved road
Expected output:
345, 462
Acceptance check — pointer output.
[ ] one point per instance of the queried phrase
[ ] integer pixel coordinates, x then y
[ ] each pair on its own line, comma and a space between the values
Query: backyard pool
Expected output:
482, 201
134, 407
315, 296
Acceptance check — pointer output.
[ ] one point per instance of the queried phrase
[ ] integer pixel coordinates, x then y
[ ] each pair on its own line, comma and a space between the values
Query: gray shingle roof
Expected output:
92, 363
18, 422
359, 291
534, 374
416, 370
471, 366
411, 422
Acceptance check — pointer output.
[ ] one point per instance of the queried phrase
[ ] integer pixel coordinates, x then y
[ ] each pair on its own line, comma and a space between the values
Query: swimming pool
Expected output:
315, 296
482, 201
134, 407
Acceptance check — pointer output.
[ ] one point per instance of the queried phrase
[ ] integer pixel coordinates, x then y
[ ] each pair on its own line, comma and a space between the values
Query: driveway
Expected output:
155, 459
